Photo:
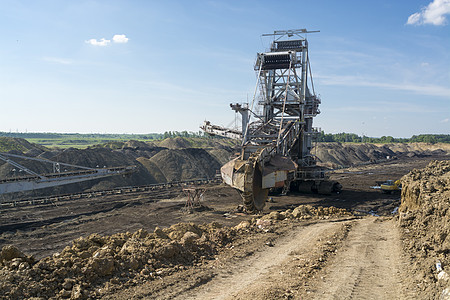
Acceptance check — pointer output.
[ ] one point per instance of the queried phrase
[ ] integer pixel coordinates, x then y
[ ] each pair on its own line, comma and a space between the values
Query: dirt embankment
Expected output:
178, 159
156, 163
425, 222
96, 266
337, 155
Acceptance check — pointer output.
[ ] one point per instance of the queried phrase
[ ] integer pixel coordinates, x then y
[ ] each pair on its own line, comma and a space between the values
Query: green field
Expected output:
80, 142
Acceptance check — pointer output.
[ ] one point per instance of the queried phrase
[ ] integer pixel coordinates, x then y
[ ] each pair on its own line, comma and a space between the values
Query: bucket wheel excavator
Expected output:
277, 135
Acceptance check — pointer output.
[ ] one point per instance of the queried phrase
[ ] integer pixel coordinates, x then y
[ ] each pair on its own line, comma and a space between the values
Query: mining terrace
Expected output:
143, 240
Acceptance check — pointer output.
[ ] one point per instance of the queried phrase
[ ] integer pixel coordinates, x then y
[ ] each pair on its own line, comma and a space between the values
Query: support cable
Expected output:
310, 76
284, 103
244, 133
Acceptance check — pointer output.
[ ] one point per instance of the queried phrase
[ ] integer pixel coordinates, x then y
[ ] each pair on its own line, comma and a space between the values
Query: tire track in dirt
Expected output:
235, 278
368, 266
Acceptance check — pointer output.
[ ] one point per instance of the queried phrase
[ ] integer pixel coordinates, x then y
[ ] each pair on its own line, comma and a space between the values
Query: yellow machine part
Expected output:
391, 186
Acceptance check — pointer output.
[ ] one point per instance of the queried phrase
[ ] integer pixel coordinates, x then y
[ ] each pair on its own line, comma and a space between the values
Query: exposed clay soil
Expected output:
346, 246
425, 224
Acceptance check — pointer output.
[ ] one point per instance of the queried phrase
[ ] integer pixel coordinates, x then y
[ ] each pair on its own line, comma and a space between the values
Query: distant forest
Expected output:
354, 138
81, 139
103, 136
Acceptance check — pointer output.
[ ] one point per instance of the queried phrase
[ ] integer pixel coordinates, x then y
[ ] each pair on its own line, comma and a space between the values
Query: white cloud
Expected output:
414, 18
117, 38
120, 38
102, 42
445, 120
433, 14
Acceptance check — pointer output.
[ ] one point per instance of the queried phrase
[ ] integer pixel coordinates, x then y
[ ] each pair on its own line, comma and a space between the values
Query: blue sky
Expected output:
380, 67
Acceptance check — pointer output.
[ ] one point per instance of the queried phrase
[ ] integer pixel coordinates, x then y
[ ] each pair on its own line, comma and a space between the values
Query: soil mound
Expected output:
175, 143
153, 169
181, 159
16, 144
425, 219
97, 265
185, 164
337, 155
222, 155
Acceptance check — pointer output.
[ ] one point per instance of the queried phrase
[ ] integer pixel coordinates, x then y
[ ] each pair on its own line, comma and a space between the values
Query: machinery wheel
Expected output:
254, 195
327, 187
306, 187
337, 187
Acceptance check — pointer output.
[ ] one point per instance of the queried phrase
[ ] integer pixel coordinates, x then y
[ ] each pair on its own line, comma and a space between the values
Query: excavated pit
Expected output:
134, 244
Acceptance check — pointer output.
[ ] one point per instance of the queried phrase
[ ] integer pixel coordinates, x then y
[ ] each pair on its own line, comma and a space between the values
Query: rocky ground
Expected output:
147, 245
425, 224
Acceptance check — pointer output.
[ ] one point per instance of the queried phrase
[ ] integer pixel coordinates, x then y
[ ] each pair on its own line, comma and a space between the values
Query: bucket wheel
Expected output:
254, 195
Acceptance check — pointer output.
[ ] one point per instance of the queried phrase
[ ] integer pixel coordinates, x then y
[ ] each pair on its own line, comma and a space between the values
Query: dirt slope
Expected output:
425, 222
21, 145
183, 164
155, 164
337, 155
176, 159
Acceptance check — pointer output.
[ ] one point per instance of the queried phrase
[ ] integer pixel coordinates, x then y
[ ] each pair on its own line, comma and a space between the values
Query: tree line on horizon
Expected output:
321, 137
112, 136
354, 138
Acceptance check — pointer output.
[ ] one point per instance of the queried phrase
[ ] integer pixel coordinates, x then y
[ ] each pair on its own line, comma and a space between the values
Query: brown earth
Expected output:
337, 155
173, 159
303, 247
147, 245
180, 159
425, 223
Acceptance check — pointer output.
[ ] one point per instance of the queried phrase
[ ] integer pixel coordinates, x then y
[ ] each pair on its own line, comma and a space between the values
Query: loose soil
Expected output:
343, 246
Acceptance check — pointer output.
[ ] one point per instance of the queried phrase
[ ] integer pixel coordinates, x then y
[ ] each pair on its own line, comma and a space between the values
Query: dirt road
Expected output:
334, 259
248, 275
368, 266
